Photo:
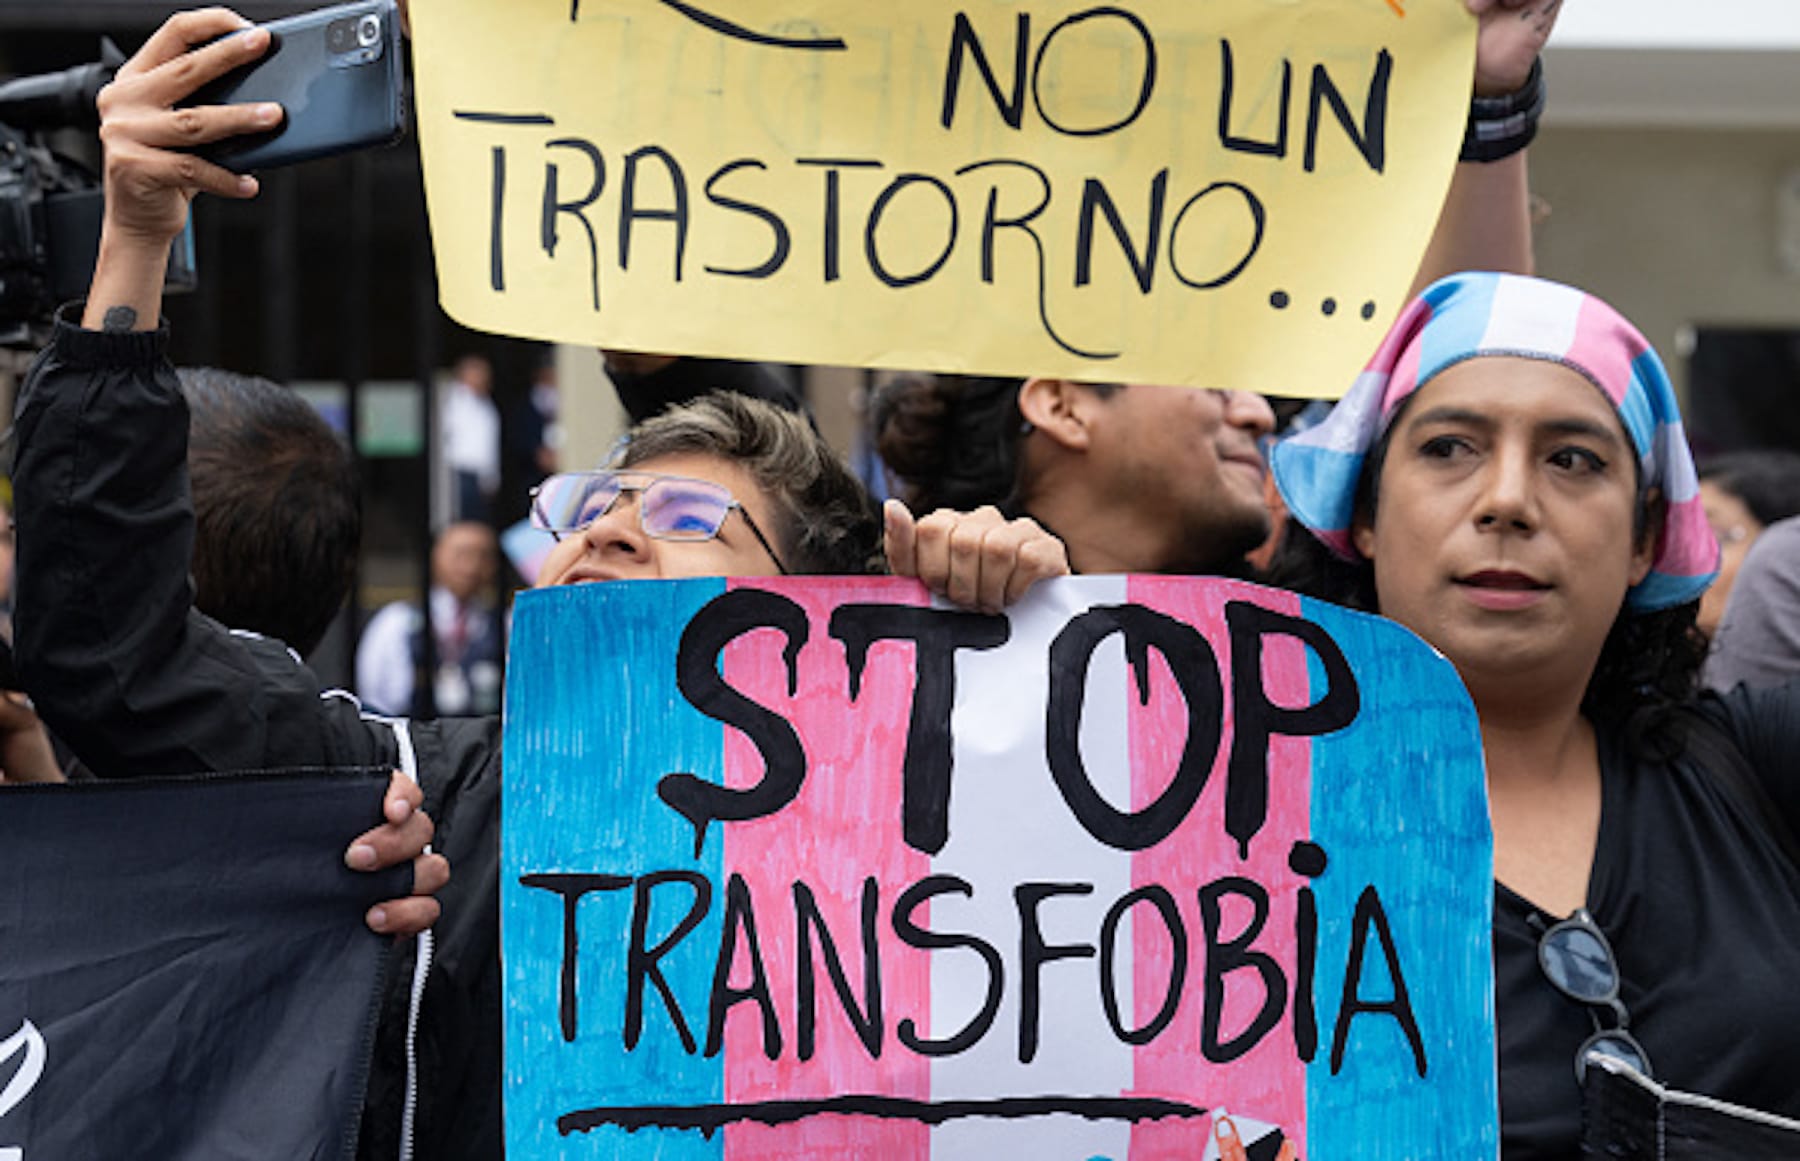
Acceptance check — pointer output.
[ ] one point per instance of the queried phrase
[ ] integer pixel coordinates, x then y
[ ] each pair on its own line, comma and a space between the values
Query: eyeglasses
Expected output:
1735, 534
669, 507
1577, 959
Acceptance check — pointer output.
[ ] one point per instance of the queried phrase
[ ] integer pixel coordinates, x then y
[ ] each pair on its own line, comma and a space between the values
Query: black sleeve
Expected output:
108, 644
1766, 724
459, 1032
687, 379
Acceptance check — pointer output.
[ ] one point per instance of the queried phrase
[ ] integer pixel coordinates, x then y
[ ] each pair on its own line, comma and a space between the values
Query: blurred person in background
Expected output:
470, 430
466, 633
1743, 492
533, 435
1758, 639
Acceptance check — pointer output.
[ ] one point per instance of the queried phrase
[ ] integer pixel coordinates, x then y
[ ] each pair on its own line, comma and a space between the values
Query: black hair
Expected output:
828, 523
951, 440
278, 519
1767, 480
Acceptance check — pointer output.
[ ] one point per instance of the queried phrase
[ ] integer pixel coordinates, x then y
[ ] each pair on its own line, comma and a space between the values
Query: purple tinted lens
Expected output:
570, 502
683, 509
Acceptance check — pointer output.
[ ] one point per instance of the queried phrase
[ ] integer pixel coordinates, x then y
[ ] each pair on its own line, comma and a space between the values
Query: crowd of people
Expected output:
1508, 479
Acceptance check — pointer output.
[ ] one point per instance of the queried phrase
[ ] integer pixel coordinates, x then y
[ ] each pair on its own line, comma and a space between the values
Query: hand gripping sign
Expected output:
1146, 867
1231, 194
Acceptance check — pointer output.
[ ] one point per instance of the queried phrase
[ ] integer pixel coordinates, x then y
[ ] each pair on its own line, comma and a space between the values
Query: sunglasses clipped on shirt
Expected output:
669, 507
1578, 960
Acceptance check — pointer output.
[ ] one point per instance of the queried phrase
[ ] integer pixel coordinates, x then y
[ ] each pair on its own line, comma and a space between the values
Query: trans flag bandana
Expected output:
1467, 316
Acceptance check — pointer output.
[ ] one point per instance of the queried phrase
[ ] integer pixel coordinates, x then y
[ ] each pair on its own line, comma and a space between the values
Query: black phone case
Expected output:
331, 106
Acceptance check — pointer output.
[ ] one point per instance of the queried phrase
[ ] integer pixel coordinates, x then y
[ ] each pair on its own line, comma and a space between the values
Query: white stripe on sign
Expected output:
999, 730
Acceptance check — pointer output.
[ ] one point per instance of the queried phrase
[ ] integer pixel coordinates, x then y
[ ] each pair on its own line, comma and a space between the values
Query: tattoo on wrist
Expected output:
118, 318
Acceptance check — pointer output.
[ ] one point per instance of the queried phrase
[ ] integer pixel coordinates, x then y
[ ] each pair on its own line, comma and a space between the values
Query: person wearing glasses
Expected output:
1744, 492
1509, 479
1758, 640
467, 635
725, 486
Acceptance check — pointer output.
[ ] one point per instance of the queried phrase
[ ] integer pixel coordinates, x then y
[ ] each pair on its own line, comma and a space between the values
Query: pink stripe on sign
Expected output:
1267, 1082
842, 828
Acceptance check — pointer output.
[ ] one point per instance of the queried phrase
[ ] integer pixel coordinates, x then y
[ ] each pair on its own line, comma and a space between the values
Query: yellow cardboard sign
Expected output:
1233, 193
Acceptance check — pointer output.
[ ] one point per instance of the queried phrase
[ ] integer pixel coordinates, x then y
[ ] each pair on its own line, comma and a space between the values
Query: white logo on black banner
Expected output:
31, 1068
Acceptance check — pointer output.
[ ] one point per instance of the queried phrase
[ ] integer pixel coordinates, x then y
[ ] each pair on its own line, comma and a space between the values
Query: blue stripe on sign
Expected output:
593, 720
1399, 801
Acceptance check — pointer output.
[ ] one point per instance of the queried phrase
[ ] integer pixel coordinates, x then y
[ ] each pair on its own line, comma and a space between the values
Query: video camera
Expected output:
50, 204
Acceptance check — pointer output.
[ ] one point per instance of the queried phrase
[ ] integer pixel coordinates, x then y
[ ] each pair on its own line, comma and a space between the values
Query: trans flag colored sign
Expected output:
1146, 867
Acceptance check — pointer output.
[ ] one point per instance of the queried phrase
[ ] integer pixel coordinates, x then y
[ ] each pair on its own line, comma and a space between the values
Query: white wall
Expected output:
1753, 25
1674, 227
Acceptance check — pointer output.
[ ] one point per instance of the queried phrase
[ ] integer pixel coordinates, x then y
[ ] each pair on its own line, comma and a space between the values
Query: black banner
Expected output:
184, 968
1628, 1117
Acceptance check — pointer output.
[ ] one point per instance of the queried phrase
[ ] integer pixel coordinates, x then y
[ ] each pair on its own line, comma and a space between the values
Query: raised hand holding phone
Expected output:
209, 93
336, 71
150, 177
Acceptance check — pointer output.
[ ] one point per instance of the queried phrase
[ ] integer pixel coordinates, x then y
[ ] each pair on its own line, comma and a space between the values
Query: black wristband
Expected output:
1501, 126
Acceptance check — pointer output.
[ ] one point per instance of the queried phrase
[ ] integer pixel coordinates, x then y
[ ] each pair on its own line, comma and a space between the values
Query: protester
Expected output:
1142, 478
277, 513
1758, 639
277, 525
468, 638
1743, 492
1509, 480
1137, 478
470, 430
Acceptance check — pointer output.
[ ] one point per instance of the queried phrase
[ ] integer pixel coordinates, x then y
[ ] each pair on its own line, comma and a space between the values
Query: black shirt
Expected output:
1702, 908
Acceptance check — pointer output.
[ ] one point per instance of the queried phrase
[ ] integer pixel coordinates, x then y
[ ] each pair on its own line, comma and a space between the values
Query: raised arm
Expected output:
149, 182
108, 645
1486, 220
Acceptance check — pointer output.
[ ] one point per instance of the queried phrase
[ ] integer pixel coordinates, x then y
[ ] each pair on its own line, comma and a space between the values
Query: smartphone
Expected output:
337, 72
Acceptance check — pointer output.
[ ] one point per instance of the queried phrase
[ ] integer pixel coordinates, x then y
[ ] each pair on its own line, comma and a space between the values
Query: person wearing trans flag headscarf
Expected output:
1509, 479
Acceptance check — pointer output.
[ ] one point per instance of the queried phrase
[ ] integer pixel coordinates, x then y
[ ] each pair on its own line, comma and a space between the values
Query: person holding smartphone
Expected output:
151, 178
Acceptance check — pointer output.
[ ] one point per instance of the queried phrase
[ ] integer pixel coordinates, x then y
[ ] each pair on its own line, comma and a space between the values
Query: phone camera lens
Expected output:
368, 30
339, 36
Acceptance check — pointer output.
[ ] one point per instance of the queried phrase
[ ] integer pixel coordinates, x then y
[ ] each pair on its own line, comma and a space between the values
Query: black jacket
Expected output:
138, 683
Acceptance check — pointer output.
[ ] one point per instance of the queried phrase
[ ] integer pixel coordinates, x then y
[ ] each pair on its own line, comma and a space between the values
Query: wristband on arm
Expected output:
1501, 126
